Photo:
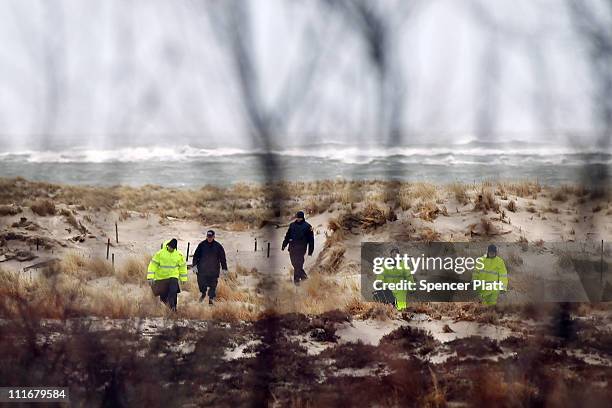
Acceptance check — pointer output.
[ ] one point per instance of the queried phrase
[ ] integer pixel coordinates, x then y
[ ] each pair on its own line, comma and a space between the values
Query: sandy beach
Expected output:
53, 244
69, 231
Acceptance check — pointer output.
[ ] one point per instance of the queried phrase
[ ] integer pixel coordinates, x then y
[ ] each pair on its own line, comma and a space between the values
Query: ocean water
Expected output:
187, 166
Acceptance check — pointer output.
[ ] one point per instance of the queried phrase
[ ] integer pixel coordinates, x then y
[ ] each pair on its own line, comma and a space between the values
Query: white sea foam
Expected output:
447, 155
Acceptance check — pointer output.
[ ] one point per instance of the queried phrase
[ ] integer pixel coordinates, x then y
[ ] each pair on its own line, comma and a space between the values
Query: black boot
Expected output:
202, 296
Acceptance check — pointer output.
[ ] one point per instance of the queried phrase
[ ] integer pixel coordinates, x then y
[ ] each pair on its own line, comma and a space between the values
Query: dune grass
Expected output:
243, 206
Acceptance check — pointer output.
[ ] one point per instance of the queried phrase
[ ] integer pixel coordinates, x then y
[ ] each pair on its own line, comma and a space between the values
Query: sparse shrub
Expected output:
357, 307
424, 191
486, 201
404, 198
134, 270
373, 216
228, 290
521, 189
72, 221
512, 207
72, 264
100, 267
7, 210
380, 311
487, 227
243, 271
551, 209
459, 191
559, 195
43, 208
429, 235
331, 258
232, 312
318, 205
429, 211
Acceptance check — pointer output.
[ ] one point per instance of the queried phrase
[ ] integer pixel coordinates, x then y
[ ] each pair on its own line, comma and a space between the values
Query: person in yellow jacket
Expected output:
396, 275
494, 270
166, 268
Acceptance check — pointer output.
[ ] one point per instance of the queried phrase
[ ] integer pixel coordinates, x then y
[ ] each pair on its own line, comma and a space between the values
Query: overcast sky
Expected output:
145, 72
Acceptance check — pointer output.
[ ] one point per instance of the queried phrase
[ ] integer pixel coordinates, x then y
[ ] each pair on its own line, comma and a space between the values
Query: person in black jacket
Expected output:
207, 258
299, 237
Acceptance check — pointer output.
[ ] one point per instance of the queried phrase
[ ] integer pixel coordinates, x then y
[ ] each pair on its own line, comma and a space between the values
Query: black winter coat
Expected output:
300, 232
208, 257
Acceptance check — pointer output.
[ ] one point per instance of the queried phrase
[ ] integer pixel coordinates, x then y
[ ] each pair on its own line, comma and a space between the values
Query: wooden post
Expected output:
161, 246
187, 257
37, 239
268, 250
255, 244
113, 261
107, 248
601, 262
116, 232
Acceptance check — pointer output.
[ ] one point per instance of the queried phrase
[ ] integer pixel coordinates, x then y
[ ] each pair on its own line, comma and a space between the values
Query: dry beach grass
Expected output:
88, 284
96, 327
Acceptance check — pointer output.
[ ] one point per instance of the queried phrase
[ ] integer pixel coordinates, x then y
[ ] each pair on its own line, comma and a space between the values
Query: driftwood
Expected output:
490, 234
42, 264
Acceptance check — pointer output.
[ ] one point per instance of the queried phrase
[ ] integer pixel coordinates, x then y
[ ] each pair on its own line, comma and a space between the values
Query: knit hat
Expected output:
173, 243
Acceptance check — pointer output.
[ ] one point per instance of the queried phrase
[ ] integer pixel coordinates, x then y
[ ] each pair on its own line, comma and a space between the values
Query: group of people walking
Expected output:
168, 266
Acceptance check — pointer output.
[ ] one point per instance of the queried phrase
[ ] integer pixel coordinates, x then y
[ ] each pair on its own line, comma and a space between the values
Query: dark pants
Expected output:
297, 251
167, 289
208, 282
384, 296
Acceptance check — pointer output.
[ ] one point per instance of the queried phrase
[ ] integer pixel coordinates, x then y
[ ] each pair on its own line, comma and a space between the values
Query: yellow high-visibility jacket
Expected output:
166, 264
494, 270
396, 275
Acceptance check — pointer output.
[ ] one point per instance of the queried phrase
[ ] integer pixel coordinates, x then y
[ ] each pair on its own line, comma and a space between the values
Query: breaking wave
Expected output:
438, 155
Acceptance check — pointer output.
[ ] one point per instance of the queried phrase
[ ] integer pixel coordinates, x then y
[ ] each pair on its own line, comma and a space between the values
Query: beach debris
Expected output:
25, 223
430, 211
8, 210
21, 256
45, 242
371, 217
485, 228
42, 264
